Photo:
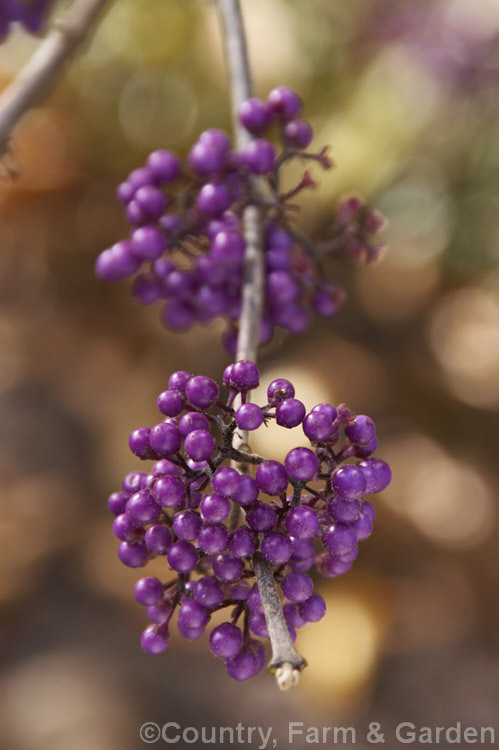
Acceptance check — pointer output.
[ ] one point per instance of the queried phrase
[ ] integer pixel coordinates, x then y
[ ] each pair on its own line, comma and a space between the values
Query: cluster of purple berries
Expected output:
187, 243
30, 13
209, 519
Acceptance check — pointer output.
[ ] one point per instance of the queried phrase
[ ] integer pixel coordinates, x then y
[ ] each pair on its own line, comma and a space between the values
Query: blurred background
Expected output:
406, 94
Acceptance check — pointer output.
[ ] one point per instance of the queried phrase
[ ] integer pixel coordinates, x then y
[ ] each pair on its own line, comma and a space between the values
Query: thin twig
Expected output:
43, 68
286, 663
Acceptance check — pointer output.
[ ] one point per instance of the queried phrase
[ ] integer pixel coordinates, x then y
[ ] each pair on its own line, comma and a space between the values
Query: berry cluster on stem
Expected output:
308, 512
187, 243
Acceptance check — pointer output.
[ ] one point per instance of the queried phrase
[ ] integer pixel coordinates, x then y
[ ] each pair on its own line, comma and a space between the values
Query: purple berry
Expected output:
361, 430
125, 192
242, 542
205, 159
192, 614
271, 477
284, 103
246, 492
201, 391
254, 599
277, 548
178, 380
182, 557
139, 178
302, 523
290, 412
254, 115
363, 526
261, 517
139, 442
317, 426
135, 214
133, 482
133, 555
124, 527
249, 417
327, 409
199, 445
227, 567
280, 389
301, 566
164, 439
164, 166
207, 592
242, 667
226, 641
169, 491
281, 288
301, 464
302, 547
191, 634
178, 315
213, 199
345, 511
215, 508
381, 471
298, 133
259, 156
148, 243
244, 375
148, 591
363, 451
369, 510
153, 642
226, 481
212, 538
164, 466
335, 568
187, 524
158, 539
142, 507
339, 540
158, 612
297, 587
151, 200
146, 289
170, 403
228, 248
116, 502
239, 593
258, 624
348, 482
312, 609
215, 138
292, 617
117, 262
191, 421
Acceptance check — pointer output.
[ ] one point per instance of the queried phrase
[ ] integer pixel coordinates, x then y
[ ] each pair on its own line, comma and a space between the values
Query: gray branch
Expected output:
44, 67
286, 663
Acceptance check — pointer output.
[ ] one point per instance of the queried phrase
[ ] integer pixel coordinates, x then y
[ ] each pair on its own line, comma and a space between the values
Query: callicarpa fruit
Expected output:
208, 519
186, 246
